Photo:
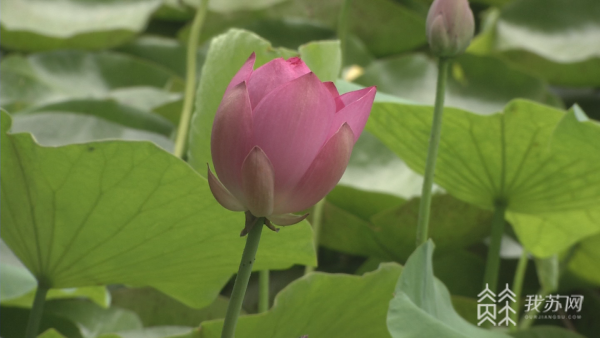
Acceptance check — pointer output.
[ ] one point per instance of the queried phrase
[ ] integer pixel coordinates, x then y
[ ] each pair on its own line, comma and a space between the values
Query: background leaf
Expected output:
156, 309
310, 306
58, 129
477, 83
421, 306
387, 229
505, 156
43, 25
60, 75
556, 43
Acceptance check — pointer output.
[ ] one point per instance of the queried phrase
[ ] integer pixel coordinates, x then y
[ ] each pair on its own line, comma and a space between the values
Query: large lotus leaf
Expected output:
555, 39
156, 309
547, 233
580, 137
156, 332
166, 104
385, 26
311, 306
280, 31
576, 132
227, 53
53, 24
18, 285
58, 129
152, 332
129, 213
422, 307
386, 226
478, 83
562, 32
111, 110
50, 77
167, 52
506, 156
576, 74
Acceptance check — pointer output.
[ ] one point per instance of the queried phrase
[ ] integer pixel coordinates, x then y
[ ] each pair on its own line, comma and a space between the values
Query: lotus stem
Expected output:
263, 291
518, 287
190, 79
316, 225
241, 280
35, 316
492, 266
434, 141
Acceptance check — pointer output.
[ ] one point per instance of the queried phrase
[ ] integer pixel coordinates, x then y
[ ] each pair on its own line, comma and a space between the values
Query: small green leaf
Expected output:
72, 24
324, 58
421, 306
310, 306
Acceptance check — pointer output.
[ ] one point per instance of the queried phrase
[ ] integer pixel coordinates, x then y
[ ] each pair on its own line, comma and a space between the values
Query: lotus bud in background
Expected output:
282, 139
450, 27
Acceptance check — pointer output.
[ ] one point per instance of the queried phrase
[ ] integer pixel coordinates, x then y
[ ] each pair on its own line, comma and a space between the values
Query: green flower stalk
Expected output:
450, 28
35, 317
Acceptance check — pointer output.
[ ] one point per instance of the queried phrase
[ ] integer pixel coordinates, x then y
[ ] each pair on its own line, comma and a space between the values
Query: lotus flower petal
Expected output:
258, 180
323, 174
339, 104
356, 112
291, 125
231, 138
272, 75
243, 74
226, 199
287, 219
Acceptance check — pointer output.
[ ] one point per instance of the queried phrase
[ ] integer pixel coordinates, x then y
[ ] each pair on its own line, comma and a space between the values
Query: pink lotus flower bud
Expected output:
281, 139
450, 27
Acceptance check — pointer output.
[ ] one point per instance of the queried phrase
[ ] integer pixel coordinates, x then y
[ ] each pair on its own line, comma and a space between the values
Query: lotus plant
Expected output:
281, 140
